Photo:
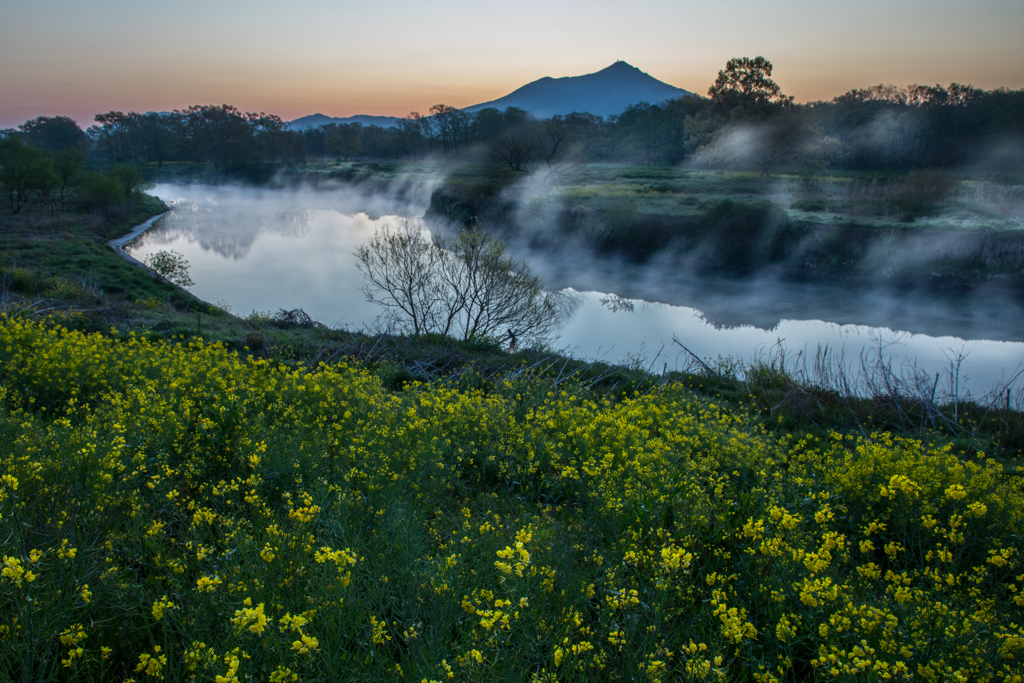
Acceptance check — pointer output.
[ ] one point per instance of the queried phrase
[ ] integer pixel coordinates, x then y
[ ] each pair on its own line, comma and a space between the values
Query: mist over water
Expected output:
263, 250
267, 249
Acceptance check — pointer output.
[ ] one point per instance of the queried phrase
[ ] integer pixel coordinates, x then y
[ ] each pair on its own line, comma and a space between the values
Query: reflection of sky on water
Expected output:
597, 331
269, 249
311, 269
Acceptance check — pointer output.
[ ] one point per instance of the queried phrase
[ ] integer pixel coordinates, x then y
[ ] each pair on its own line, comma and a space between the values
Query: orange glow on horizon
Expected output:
396, 56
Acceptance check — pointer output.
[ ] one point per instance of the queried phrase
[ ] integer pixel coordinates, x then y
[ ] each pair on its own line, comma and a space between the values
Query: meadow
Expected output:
176, 511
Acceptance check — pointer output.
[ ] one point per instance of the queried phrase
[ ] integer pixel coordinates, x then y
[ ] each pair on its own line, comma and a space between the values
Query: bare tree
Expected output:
494, 293
400, 270
511, 150
467, 287
553, 140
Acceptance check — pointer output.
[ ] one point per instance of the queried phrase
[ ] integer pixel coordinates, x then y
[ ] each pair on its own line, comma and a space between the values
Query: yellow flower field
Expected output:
175, 512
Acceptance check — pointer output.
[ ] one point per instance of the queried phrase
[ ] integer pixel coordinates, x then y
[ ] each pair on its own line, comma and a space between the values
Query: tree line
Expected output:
745, 121
30, 173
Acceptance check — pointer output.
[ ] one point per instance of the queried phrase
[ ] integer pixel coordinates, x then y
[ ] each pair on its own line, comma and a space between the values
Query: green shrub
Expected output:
101, 192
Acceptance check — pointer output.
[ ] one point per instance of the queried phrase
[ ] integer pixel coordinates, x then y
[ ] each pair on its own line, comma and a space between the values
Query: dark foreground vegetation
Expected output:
187, 495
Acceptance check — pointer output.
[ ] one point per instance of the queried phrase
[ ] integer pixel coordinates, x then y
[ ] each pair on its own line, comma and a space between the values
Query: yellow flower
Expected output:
208, 584
152, 665
232, 673
305, 644
251, 619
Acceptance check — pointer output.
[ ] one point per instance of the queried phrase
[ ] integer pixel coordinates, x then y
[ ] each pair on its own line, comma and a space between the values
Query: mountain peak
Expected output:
604, 93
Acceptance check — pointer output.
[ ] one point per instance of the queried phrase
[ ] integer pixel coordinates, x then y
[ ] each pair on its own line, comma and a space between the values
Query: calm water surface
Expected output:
262, 250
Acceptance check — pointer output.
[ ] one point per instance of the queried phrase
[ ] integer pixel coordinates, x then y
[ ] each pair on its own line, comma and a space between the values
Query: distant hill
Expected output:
315, 120
607, 92
604, 93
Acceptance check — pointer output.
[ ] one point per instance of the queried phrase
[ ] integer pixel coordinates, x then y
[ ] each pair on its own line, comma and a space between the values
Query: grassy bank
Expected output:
57, 256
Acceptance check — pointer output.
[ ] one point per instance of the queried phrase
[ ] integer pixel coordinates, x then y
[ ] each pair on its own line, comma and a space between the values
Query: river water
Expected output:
267, 249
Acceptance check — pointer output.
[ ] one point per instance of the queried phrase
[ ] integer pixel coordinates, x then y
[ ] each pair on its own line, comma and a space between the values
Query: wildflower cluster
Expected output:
174, 512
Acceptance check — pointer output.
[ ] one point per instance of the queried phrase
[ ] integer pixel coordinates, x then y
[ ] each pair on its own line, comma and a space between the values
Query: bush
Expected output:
170, 265
130, 179
24, 171
920, 193
635, 236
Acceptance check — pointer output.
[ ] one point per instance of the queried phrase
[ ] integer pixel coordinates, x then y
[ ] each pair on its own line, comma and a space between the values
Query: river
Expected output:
267, 249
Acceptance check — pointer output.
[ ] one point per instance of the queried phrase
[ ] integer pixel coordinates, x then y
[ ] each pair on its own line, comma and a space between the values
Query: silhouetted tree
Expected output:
54, 133
157, 134
641, 128
66, 165
220, 134
744, 89
511, 150
379, 142
24, 171
487, 125
451, 125
343, 140
416, 132
677, 115
116, 135
552, 140
516, 118
586, 131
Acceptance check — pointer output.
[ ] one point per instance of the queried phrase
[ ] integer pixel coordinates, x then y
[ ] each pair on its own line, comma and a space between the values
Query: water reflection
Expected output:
204, 226
269, 249
616, 303
263, 250
765, 302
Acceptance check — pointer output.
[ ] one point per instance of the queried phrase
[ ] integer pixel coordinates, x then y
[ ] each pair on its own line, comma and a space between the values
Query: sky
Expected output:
390, 57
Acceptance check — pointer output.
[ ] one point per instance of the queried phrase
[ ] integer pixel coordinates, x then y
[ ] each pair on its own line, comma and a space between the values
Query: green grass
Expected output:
47, 248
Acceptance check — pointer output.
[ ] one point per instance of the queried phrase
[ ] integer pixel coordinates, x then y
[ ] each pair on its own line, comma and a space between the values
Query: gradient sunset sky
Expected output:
73, 58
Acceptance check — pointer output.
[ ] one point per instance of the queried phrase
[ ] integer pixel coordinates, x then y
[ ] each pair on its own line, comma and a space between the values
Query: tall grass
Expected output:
873, 390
